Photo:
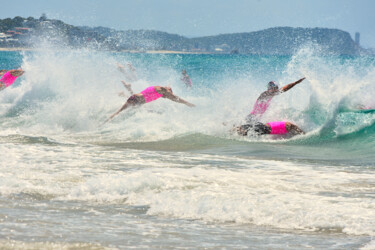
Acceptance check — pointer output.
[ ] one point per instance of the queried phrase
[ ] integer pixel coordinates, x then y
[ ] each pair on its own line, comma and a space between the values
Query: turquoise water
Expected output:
169, 176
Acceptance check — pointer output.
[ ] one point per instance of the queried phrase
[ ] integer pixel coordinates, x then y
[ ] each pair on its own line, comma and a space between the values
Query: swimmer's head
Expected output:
272, 86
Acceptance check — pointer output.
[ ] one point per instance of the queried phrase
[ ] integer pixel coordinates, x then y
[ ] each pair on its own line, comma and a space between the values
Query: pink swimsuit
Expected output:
277, 128
8, 79
263, 102
260, 107
150, 94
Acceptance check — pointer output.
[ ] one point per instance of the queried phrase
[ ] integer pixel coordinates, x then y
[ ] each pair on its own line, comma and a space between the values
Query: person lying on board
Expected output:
150, 94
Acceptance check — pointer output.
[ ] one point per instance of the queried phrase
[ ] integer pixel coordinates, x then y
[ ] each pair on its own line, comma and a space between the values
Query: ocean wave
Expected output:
70, 93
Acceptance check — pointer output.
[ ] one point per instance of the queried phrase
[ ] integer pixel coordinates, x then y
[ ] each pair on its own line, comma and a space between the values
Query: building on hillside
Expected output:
356, 39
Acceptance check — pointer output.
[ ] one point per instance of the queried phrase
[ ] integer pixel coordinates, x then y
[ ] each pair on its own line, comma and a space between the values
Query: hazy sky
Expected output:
193, 18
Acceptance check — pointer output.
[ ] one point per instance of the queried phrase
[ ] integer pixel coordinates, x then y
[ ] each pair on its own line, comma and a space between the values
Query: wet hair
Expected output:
272, 85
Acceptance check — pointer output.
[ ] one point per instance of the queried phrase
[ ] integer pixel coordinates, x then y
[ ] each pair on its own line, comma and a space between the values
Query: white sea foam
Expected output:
287, 197
203, 187
369, 246
73, 92
54, 152
18, 245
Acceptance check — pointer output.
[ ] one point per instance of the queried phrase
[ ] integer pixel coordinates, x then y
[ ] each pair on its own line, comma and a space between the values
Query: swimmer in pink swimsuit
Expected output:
261, 105
273, 128
264, 100
9, 77
148, 95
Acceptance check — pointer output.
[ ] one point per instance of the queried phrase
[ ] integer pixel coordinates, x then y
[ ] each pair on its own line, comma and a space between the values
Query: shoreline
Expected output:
21, 49
124, 51
16, 49
173, 52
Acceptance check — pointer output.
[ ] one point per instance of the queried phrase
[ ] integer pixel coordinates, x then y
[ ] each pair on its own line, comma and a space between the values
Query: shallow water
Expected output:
169, 176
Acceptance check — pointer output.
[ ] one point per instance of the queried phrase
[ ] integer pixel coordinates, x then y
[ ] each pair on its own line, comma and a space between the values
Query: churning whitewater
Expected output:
167, 175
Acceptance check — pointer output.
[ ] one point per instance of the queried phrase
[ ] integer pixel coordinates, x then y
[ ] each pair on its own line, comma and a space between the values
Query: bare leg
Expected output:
125, 106
293, 129
128, 86
134, 100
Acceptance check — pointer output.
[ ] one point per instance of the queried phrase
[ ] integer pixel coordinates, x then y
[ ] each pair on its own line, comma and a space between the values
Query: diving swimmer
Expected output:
260, 107
150, 94
9, 77
264, 100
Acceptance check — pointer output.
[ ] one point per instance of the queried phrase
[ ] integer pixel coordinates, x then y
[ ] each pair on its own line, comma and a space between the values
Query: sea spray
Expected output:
164, 173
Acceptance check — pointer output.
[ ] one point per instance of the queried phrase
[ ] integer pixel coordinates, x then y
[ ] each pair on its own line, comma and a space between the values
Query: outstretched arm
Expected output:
291, 85
175, 98
16, 72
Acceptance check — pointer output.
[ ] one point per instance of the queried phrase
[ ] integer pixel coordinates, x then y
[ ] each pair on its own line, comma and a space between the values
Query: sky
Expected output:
195, 18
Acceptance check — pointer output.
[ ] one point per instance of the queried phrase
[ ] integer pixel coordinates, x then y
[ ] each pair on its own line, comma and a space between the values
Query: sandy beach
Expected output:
15, 49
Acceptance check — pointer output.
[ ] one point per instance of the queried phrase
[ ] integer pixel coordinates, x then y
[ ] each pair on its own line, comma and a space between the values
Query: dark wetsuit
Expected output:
258, 128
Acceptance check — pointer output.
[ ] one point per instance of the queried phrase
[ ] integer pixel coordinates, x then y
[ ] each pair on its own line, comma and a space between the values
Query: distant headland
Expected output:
30, 33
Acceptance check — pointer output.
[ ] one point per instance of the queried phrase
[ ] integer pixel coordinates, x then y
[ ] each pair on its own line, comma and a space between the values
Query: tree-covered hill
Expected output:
32, 32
